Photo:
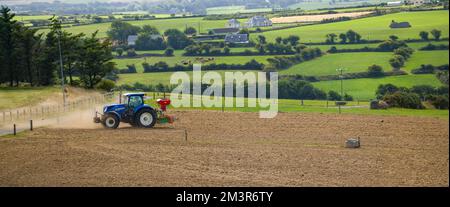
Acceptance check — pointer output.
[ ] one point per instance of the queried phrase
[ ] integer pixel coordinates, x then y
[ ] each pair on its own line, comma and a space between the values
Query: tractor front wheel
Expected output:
111, 121
146, 118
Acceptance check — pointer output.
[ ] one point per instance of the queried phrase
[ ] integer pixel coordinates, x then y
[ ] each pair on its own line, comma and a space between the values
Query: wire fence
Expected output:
14, 120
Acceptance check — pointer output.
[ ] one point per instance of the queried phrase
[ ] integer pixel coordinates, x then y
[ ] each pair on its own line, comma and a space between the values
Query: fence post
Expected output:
4, 116
14, 129
31, 125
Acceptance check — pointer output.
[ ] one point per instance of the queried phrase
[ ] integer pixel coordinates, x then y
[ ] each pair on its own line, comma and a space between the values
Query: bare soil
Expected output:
234, 149
316, 18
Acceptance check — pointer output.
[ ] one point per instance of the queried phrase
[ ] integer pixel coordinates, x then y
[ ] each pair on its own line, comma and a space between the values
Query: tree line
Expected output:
28, 57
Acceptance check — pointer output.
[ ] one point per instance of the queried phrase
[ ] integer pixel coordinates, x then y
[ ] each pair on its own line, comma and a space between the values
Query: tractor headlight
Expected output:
105, 109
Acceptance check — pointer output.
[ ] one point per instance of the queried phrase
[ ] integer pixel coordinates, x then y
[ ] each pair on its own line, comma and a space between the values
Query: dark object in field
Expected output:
395, 25
353, 143
341, 103
375, 104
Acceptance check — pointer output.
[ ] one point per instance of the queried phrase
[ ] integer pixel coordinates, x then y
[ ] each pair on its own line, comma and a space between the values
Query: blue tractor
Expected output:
133, 111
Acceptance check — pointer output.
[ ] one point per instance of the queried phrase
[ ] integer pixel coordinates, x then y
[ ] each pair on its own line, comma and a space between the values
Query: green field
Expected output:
326, 4
364, 88
122, 63
351, 62
18, 97
413, 45
371, 28
161, 24
163, 77
234, 10
32, 17
318, 106
418, 58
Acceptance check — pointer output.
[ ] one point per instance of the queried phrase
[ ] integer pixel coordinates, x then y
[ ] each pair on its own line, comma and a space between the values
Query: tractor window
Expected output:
135, 101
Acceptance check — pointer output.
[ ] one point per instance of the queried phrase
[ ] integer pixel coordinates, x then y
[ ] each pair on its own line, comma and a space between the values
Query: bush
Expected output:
390, 45
435, 47
403, 100
423, 90
131, 53
169, 51
119, 51
299, 89
384, 89
348, 97
443, 77
397, 62
106, 85
439, 101
405, 52
375, 71
131, 68
334, 96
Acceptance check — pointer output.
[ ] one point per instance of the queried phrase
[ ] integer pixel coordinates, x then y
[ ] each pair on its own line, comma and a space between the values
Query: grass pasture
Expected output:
312, 106
234, 10
161, 24
177, 59
413, 45
352, 62
163, 77
372, 27
364, 88
436, 58
18, 97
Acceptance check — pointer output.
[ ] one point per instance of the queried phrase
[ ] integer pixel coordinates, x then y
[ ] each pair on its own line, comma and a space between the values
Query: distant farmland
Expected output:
160, 24
234, 10
372, 28
364, 88
352, 62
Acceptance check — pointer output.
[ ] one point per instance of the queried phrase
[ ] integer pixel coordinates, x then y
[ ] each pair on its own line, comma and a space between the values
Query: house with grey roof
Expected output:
224, 31
259, 21
131, 40
233, 23
236, 38
395, 25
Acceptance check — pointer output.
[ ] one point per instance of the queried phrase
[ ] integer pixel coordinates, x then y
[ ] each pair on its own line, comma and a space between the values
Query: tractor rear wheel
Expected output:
111, 121
146, 118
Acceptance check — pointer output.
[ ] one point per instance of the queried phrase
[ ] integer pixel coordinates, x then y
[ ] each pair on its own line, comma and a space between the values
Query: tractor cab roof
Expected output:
134, 94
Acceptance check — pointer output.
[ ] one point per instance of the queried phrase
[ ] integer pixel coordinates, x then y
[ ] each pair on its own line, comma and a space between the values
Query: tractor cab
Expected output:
133, 100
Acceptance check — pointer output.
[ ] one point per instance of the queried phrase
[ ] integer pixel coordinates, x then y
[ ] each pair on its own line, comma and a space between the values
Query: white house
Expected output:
258, 21
394, 3
131, 40
233, 23
418, 2
236, 38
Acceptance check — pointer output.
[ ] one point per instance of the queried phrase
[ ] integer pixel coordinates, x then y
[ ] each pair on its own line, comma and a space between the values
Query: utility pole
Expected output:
61, 67
341, 76
341, 71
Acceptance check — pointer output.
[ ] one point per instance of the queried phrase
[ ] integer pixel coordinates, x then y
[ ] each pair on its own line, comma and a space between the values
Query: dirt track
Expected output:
235, 149
316, 18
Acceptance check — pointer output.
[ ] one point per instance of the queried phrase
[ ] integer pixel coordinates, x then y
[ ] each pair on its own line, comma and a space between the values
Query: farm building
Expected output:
395, 25
418, 2
259, 21
233, 23
395, 3
131, 40
156, 36
236, 38
224, 31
